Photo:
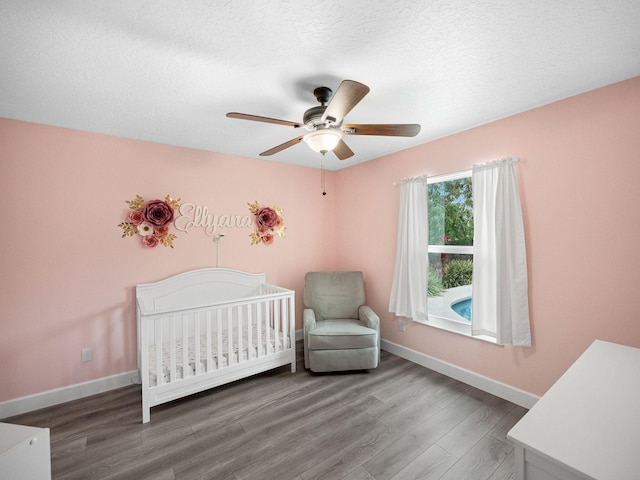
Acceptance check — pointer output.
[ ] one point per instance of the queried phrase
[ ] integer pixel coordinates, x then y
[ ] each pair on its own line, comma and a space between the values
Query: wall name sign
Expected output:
192, 216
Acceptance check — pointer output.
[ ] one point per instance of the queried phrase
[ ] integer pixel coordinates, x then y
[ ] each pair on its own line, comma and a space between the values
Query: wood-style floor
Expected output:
400, 421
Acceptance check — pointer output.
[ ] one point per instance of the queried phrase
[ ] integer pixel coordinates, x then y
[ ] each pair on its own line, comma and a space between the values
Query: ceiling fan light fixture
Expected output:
323, 140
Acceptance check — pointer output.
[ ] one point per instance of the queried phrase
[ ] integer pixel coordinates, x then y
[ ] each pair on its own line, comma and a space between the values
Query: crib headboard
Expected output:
195, 288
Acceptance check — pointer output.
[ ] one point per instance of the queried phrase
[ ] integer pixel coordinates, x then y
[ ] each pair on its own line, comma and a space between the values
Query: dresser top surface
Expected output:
589, 420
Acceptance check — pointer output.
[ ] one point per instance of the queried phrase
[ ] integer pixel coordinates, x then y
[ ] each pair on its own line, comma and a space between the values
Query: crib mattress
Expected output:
217, 360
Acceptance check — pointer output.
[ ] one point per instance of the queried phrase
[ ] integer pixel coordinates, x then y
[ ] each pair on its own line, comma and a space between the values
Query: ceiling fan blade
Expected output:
347, 96
282, 146
390, 130
342, 151
256, 118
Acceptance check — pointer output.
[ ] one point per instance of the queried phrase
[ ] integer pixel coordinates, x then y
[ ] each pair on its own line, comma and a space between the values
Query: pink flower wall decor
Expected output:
269, 223
158, 213
150, 221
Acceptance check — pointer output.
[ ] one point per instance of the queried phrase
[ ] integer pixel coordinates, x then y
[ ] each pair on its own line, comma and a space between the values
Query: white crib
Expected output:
207, 327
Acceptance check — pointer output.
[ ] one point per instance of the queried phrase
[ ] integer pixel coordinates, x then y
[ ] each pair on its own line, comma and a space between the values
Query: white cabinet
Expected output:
587, 426
25, 453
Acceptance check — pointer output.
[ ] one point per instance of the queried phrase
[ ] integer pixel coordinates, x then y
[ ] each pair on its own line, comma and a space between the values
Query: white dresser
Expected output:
25, 453
587, 426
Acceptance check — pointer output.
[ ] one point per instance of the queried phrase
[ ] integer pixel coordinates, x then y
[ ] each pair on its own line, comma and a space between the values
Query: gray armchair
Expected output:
340, 332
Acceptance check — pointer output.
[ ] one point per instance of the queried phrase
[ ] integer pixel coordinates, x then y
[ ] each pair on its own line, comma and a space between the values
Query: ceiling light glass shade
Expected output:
323, 140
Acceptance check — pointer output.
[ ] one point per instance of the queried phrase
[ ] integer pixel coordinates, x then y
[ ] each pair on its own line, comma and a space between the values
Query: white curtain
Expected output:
409, 289
500, 290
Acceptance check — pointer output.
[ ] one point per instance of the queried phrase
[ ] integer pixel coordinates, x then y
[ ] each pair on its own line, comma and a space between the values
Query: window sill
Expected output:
461, 328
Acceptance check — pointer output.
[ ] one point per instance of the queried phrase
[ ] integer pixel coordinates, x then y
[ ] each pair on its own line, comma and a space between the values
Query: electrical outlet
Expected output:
86, 355
401, 324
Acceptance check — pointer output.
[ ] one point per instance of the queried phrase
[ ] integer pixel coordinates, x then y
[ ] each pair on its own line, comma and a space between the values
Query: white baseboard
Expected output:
29, 403
499, 389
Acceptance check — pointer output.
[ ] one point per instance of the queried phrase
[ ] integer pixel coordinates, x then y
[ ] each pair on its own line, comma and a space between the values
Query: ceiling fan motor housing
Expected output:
313, 117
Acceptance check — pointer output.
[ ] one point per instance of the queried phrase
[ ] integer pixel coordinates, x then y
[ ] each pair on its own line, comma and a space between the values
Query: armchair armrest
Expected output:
308, 324
308, 319
368, 317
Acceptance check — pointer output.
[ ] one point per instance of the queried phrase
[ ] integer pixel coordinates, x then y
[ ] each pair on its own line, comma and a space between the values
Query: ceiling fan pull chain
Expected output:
324, 192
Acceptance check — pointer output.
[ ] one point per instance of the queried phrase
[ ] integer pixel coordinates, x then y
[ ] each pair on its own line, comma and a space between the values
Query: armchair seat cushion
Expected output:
341, 333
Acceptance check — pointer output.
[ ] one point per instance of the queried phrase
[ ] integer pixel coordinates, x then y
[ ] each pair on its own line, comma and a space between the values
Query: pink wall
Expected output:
67, 275
580, 191
68, 278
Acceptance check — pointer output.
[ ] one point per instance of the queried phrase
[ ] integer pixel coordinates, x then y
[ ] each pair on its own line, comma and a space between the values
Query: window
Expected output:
445, 255
450, 202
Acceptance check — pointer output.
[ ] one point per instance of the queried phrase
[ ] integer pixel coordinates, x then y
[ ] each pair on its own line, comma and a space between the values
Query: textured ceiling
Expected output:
168, 71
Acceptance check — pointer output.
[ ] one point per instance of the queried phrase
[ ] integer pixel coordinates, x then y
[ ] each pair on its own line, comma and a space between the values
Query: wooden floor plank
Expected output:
459, 440
411, 441
430, 465
481, 461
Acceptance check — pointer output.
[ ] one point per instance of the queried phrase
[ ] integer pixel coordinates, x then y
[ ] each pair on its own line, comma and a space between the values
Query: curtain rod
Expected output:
514, 160
425, 176
409, 179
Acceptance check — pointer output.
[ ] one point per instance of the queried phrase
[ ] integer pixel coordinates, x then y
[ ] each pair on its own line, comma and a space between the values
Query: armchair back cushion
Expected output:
334, 294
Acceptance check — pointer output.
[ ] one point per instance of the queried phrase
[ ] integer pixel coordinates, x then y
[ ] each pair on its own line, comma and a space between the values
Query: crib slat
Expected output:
219, 334
249, 332
284, 323
291, 331
172, 349
229, 335
239, 320
276, 326
267, 325
186, 369
259, 326
196, 341
209, 358
157, 327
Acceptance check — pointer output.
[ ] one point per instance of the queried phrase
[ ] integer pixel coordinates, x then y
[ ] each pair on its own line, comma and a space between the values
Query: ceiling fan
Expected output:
324, 122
